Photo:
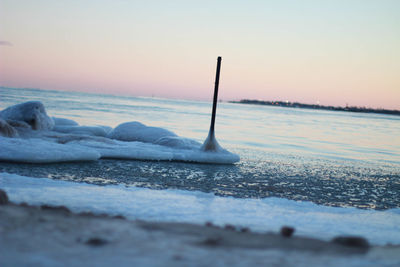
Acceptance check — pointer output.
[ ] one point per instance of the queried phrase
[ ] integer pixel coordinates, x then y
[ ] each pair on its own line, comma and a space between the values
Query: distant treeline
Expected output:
310, 106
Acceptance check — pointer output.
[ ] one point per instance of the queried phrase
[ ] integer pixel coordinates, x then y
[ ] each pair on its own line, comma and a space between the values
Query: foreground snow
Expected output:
379, 227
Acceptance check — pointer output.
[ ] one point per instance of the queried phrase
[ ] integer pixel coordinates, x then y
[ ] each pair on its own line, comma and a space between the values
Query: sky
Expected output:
332, 52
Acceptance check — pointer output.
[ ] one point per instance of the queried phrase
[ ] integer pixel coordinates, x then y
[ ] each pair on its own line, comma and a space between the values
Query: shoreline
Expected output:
318, 107
54, 236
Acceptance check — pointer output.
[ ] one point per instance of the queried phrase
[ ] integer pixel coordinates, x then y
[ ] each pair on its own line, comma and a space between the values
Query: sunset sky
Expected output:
333, 52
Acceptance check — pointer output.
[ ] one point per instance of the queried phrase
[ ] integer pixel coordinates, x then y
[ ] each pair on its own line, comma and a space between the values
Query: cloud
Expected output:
5, 43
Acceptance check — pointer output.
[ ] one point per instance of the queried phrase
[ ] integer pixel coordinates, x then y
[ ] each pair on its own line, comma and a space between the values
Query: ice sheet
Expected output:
35, 150
64, 140
269, 214
62, 148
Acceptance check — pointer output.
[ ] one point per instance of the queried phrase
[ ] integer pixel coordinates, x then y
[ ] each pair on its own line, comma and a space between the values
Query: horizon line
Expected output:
196, 100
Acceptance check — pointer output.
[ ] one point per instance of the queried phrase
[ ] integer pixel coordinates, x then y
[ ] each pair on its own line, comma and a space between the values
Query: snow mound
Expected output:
32, 112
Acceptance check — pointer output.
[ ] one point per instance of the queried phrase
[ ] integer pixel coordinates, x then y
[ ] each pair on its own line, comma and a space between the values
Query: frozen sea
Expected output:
326, 173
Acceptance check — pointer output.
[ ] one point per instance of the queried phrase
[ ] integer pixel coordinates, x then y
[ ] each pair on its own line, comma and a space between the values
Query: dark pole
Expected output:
214, 109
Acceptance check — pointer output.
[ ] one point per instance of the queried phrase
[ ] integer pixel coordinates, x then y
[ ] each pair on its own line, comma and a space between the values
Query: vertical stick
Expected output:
214, 108
211, 144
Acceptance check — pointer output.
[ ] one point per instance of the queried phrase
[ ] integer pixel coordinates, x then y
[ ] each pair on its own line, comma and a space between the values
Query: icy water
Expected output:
329, 158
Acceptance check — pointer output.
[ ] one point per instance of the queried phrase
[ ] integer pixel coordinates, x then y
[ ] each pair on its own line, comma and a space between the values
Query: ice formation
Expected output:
38, 138
136, 131
32, 112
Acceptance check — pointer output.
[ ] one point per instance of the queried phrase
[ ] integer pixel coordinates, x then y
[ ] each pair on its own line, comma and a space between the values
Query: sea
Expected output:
326, 173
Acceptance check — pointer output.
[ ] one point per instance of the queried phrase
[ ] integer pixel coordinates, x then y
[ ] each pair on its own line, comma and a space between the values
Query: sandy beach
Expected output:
54, 236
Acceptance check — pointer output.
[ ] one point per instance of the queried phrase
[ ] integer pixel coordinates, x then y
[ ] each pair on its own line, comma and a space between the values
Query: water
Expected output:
330, 158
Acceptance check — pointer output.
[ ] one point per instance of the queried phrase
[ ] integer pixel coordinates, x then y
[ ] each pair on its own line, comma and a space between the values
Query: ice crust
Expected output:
42, 139
268, 214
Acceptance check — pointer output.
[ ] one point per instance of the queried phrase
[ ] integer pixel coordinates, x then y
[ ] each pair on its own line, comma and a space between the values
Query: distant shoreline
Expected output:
315, 106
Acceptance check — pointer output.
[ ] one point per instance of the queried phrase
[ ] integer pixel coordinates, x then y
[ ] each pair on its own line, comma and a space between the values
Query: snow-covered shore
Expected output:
48, 236
261, 215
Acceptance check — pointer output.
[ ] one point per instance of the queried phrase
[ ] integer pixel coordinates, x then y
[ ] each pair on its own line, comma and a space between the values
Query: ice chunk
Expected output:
136, 131
32, 112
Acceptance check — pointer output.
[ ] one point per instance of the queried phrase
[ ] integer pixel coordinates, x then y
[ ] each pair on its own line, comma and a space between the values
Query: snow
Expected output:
32, 112
269, 214
44, 140
136, 131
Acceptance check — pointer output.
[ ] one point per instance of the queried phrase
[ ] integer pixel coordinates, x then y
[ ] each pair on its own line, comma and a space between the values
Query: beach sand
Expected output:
54, 236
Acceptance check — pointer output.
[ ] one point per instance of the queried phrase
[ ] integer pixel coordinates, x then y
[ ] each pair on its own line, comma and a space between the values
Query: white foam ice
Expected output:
65, 140
269, 214
31, 112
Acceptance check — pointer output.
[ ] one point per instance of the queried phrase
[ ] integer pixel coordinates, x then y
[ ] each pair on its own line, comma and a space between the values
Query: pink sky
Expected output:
331, 52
